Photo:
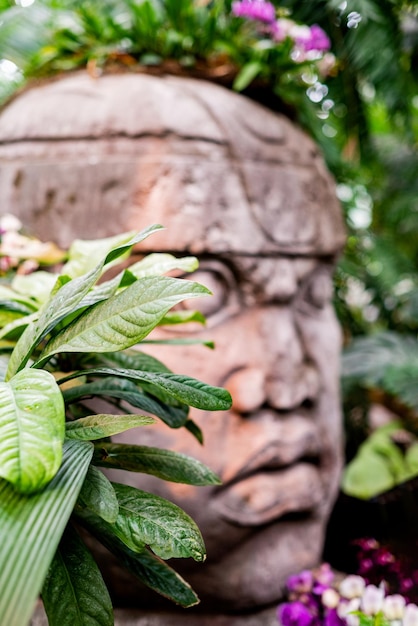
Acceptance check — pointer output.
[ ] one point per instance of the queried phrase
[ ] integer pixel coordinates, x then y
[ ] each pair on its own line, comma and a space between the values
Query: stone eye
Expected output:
316, 291
217, 277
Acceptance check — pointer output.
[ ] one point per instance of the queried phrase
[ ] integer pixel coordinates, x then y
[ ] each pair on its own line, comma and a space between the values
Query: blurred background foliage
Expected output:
363, 114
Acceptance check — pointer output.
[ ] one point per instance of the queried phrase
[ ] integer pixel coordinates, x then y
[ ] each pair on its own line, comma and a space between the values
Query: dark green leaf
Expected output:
74, 592
126, 390
147, 567
184, 389
165, 464
97, 495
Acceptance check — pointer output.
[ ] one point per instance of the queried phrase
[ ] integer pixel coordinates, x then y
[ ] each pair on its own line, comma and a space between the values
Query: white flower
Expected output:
393, 607
410, 615
352, 587
345, 610
9, 222
330, 598
372, 600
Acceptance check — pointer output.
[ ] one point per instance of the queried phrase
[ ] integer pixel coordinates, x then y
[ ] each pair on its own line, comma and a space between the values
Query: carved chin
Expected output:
255, 574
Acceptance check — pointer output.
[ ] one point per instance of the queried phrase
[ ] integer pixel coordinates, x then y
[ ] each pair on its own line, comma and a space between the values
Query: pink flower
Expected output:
254, 10
316, 39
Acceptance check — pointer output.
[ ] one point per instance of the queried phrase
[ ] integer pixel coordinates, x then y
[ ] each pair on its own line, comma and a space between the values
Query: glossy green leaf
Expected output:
134, 359
125, 319
97, 495
126, 390
103, 425
148, 568
31, 429
37, 285
156, 264
184, 389
15, 328
165, 464
63, 301
182, 317
31, 528
74, 592
146, 519
84, 254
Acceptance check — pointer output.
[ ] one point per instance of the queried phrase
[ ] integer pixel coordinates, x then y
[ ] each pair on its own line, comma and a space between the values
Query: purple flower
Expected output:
294, 614
317, 40
331, 618
254, 10
301, 582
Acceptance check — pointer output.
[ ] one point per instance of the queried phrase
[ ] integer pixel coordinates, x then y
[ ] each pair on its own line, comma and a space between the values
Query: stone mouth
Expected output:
266, 496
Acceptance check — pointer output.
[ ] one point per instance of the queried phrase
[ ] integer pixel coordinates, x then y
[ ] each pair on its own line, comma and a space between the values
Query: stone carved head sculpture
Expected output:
247, 192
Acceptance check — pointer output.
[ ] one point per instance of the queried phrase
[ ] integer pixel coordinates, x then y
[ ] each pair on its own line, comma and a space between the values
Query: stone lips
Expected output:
120, 152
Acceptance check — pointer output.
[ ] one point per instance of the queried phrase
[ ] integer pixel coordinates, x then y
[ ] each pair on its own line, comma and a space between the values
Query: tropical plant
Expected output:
382, 369
67, 337
239, 44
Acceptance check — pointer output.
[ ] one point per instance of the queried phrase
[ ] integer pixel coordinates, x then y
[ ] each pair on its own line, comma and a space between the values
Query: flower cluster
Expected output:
22, 254
309, 42
317, 598
376, 562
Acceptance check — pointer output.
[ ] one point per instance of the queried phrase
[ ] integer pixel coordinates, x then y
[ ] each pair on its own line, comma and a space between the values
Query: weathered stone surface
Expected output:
160, 149
125, 617
248, 192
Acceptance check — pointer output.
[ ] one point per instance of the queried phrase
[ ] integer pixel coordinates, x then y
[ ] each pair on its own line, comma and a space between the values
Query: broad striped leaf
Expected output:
31, 528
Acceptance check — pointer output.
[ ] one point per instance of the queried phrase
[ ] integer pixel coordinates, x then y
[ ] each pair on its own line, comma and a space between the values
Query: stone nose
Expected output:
279, 373
292, 380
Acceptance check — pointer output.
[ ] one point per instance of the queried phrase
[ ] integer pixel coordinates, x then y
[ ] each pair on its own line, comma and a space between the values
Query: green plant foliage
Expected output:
379, 464
63, 347
203, 39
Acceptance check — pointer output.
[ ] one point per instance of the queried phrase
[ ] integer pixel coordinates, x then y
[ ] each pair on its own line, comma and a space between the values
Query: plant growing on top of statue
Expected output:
67, 337
235, 43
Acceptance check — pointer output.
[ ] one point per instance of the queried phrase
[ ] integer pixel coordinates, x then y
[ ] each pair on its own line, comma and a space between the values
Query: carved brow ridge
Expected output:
225, 255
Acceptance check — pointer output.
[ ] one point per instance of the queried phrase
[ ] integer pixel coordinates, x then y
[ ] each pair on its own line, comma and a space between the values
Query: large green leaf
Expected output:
184, 389
126, 390
103, 425
125, 319
160, 263
150, 570
84, 254
32, 422
165, 464
31, 528
65, 300
97, 495
74, 593
134, 359
148, 520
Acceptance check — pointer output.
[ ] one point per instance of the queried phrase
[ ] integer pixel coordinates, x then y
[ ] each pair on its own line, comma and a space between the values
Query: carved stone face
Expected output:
248, 193
278, 450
